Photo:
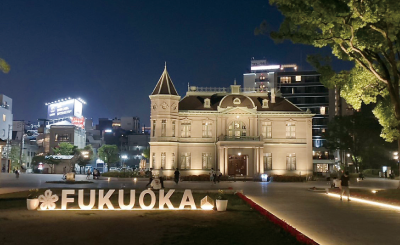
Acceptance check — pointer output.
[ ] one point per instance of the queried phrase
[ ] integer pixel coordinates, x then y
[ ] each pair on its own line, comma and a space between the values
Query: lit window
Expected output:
153, 160
237, 129
207, 103
163, 159
154, 128
4, 117
207, 130
173, 161
291, 161
62, 137
185, 160
290, 130
286, 80
173, 128
186, 129
322, 110
236, 101
267, 130
206, 159
163, 127
298, 78
265, 103
267, 161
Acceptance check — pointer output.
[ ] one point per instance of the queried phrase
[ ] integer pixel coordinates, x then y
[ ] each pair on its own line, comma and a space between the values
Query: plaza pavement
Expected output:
323, 218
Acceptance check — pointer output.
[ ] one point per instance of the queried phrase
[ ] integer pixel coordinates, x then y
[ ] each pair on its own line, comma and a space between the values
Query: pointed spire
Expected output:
165, 85
234, 82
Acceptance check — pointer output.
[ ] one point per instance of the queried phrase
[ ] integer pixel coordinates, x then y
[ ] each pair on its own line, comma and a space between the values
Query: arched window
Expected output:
237, 129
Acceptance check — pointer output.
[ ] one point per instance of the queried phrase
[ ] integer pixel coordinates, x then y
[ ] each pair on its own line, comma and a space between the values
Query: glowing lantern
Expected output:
207, 203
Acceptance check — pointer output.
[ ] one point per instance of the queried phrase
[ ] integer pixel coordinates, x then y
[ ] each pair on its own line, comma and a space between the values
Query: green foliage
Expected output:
146, 153
4, 67
48, 159
65, 148
14, 157
109, 154
84, 156
364, 32
358, 134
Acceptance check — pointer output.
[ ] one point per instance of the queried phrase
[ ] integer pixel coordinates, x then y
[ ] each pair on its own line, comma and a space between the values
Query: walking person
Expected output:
161, 176
88, 173
344, 187
16, 171
176, 176
150, 177
218, 174
212, 175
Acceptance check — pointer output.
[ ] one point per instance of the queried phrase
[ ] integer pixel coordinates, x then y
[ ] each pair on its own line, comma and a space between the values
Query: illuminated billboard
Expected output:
67, 108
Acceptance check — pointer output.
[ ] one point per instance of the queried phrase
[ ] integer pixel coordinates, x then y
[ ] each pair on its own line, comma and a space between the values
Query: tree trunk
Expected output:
398, 150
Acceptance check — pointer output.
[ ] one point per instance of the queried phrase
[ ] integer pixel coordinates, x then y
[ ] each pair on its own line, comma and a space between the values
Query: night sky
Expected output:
112, 53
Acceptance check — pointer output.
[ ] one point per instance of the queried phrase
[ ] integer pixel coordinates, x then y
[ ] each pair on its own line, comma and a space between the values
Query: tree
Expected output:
146, 153
357, 134
4, 67
14, 157
47, 159
84, 156
109, 154
364, 32
65, 148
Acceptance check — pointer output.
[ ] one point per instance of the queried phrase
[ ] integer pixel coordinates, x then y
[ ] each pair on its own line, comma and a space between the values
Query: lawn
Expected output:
239, 225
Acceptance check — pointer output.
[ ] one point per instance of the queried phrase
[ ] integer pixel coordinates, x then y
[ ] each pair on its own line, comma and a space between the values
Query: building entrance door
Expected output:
237, 165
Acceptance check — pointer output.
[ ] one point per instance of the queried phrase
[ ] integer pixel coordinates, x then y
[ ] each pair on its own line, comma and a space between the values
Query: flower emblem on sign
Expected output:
48, 200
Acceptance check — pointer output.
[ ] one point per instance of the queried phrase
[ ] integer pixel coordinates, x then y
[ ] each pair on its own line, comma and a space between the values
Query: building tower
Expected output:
164, 124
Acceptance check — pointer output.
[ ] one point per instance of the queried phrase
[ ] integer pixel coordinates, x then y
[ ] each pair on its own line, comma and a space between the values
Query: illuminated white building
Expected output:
239, 133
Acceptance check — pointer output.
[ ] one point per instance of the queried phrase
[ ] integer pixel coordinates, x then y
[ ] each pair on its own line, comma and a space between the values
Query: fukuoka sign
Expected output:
48, 200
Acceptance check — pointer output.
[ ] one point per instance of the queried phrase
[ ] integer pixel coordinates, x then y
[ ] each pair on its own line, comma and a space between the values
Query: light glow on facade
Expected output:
268, 67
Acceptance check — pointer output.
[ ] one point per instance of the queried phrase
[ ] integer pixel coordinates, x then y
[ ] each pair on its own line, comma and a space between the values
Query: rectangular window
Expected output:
163, 127
154, 128
267, 161
207, 130
173, 161
62, 138
153, 160
206, 160
185, 160
163, 159
267, 130
291, 161
173, 128
4, 117
298, 78
186, 128
286, 80
290, 130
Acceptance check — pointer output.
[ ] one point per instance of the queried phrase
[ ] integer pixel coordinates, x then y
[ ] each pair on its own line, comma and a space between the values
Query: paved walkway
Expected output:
323, 218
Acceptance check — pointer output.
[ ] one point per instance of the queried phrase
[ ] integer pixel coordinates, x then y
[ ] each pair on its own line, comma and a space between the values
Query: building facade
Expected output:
241, 134
303, 89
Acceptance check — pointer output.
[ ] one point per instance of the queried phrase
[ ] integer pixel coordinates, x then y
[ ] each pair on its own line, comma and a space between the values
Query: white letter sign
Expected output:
153, 199
92, 200
121, 200
165, 199
105, 199
65, 199
187, 195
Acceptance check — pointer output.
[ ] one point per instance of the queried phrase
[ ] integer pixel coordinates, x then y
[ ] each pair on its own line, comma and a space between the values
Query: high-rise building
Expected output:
303, 89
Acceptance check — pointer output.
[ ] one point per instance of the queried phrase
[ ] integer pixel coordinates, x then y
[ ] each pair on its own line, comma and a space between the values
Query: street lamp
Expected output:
124, 157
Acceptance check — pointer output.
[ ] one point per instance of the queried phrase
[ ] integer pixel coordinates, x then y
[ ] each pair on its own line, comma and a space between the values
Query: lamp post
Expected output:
124, 157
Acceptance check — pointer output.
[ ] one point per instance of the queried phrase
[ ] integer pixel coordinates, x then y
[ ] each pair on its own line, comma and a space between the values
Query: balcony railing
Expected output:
242, 138
225, 90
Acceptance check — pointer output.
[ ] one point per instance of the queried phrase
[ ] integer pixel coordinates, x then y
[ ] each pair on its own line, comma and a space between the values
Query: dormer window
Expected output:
236, 101
207, 103
265, 103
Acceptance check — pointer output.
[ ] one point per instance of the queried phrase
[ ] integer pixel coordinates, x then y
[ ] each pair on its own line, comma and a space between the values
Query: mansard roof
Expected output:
196, 102
165, 85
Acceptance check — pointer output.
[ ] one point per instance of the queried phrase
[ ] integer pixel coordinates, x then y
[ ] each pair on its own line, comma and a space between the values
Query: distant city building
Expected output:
240, 133
6, 123
303, 89
24, 136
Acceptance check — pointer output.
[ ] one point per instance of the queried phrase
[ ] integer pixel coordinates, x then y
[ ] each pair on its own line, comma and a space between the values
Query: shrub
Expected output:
286, 178
121, 174
371, 172
201, 177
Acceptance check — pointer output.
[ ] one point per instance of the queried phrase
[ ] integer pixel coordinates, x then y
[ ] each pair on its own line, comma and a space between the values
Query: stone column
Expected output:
225, 160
